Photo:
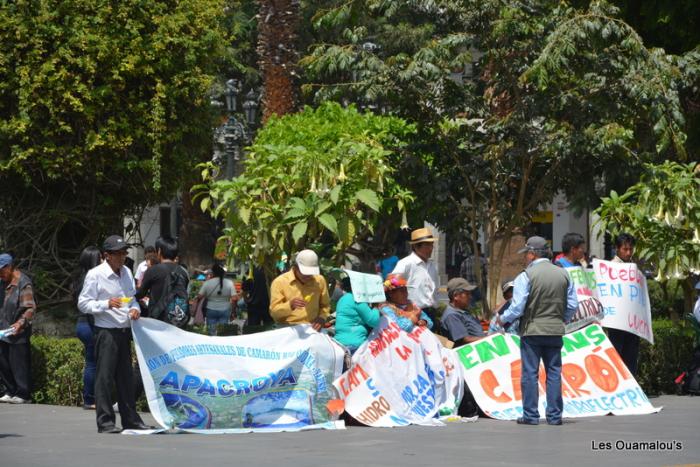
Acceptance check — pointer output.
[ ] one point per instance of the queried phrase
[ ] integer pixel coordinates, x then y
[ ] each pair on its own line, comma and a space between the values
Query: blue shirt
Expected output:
387, 265
565, 263
521, 291
405, 323
460, 324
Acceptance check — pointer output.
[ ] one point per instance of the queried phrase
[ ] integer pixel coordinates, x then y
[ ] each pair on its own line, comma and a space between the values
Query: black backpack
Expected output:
173, 306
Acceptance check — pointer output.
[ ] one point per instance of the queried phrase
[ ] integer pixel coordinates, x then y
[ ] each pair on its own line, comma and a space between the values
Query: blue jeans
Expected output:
87, 336
215, 317
532, 350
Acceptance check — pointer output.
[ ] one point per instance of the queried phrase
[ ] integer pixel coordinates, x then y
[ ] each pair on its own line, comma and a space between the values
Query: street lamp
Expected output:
236, 132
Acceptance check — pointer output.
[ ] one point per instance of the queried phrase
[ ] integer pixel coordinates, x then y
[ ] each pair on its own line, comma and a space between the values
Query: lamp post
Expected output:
237, 133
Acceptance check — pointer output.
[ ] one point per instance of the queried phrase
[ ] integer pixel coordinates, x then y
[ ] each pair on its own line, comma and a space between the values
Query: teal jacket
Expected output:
353, 321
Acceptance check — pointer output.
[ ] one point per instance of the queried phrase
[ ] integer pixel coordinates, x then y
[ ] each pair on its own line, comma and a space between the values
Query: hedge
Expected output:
57, 363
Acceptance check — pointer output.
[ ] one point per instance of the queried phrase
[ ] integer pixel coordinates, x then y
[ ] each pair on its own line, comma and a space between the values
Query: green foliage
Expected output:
663, 212
57, 371
661, 363
322, 176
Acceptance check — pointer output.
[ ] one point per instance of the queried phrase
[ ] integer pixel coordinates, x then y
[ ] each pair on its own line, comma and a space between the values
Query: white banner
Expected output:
622, 289
590, 310
400, 378
595, 380
279, 380
366, 288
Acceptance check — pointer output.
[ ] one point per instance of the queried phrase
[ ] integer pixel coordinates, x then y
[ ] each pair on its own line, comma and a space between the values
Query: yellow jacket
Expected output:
286, 287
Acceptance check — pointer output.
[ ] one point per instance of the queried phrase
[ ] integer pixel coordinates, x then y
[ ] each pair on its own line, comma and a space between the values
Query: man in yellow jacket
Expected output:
300, 296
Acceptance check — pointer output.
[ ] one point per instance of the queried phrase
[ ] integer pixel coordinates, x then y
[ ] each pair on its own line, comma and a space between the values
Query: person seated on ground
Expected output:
511, 328
457, 324
399, 308
353, 321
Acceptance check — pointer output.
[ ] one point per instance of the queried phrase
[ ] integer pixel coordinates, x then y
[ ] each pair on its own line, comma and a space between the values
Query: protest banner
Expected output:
366, 288
398, 378
279, 380
590, 310
622, 289
595, 381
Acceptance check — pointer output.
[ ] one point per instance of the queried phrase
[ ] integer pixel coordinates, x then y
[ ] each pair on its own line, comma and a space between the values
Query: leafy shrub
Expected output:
57, 370
660, 364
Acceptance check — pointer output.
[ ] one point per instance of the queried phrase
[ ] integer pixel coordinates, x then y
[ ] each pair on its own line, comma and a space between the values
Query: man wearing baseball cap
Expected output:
457, 323
108, 294
17, 307
546, 299
300, 295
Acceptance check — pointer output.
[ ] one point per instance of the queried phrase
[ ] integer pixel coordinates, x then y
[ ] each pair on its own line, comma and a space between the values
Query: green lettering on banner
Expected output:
595, 333
464, 357
575, 340
488, 350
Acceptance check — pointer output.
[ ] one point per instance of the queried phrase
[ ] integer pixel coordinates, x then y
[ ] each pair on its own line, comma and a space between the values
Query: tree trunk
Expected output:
277, 34
197, 234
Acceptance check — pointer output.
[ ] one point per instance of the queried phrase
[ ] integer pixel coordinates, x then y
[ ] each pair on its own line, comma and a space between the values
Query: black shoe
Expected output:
525, 421
139, 426
554, 422
109, 429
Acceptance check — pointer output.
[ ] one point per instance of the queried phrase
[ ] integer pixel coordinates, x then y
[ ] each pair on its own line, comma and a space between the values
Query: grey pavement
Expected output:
44, 435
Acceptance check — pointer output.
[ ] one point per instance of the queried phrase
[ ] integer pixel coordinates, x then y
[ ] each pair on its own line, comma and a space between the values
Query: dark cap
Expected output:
458, 283
114, 243
534, 243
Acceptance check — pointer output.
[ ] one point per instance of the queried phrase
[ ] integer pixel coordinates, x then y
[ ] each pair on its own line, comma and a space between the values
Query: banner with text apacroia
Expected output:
622, 289
279, 380
595, 381
398, 378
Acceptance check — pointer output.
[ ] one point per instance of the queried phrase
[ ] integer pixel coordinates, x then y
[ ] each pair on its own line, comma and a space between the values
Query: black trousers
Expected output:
113, 357
15, 369
627, 345
258, 315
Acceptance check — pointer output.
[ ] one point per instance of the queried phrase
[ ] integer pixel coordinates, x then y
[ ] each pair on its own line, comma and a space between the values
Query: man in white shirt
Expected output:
696, 308
108, 295
420, 272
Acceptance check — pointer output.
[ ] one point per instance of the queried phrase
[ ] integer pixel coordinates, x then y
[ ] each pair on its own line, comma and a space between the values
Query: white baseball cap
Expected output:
307, 262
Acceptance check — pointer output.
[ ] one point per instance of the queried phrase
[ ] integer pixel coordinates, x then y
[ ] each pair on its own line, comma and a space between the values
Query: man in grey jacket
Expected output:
545, 298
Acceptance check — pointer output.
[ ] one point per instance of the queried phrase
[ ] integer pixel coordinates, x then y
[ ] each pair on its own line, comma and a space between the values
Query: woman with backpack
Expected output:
84, 329
218, 291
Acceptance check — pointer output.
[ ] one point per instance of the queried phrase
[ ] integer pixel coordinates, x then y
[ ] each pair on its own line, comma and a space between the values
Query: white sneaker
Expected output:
6, 398
19, 400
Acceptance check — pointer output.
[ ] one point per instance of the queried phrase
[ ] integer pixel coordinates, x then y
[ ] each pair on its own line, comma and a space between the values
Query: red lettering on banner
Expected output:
351, 380
574, 376
601, 372
638, 324
404, 353
617, 361
386, 336
415, 334
489, 383
374, 411
627, 274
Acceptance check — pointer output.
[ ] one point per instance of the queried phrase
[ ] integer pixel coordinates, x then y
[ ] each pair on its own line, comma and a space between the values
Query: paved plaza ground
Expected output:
43, 435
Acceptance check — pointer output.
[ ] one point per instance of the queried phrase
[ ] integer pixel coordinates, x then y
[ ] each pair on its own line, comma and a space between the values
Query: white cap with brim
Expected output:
307, 262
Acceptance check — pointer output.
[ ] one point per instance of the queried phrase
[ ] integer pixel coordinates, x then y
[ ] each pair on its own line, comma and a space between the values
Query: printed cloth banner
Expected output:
622, 289
366, 288
595, 381
398, 378
590, 310
279, 380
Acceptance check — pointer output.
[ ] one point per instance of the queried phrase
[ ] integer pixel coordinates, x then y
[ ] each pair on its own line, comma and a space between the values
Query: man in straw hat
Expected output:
420, 271
546, 299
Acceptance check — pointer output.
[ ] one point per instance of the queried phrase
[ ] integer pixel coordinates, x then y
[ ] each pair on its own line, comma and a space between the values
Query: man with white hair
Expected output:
300, 295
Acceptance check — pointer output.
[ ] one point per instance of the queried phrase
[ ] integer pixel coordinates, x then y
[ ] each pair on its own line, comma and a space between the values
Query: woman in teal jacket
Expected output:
353, 320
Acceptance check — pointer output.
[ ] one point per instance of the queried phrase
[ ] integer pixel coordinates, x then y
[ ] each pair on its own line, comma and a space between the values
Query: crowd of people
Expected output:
537, 304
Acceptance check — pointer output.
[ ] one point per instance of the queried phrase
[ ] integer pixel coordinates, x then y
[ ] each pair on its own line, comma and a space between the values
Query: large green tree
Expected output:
514, 101
104, 109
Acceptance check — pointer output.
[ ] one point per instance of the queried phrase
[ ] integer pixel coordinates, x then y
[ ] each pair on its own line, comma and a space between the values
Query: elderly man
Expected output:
457, 324
420, 272
546, 299
300, 295
108, 294
17, 307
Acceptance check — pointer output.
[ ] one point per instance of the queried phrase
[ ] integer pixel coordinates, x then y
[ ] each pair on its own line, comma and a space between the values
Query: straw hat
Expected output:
421, 235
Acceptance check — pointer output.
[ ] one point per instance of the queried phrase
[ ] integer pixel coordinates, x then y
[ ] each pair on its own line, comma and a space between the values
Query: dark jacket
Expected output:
11, 311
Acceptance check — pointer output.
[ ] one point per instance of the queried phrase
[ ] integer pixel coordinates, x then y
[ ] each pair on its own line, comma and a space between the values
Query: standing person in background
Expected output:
420, 272
18, 308
626, 343
108, 294
218, 291
545, 297
300, 295
387, 262
90, 257
150, 259
257, 298
573, 248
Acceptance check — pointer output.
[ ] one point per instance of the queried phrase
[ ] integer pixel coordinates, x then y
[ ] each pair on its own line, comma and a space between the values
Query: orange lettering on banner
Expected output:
617, 361
574, 376
489, 383
351, 380
404, 353
516, 368
542, 377
601, 372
